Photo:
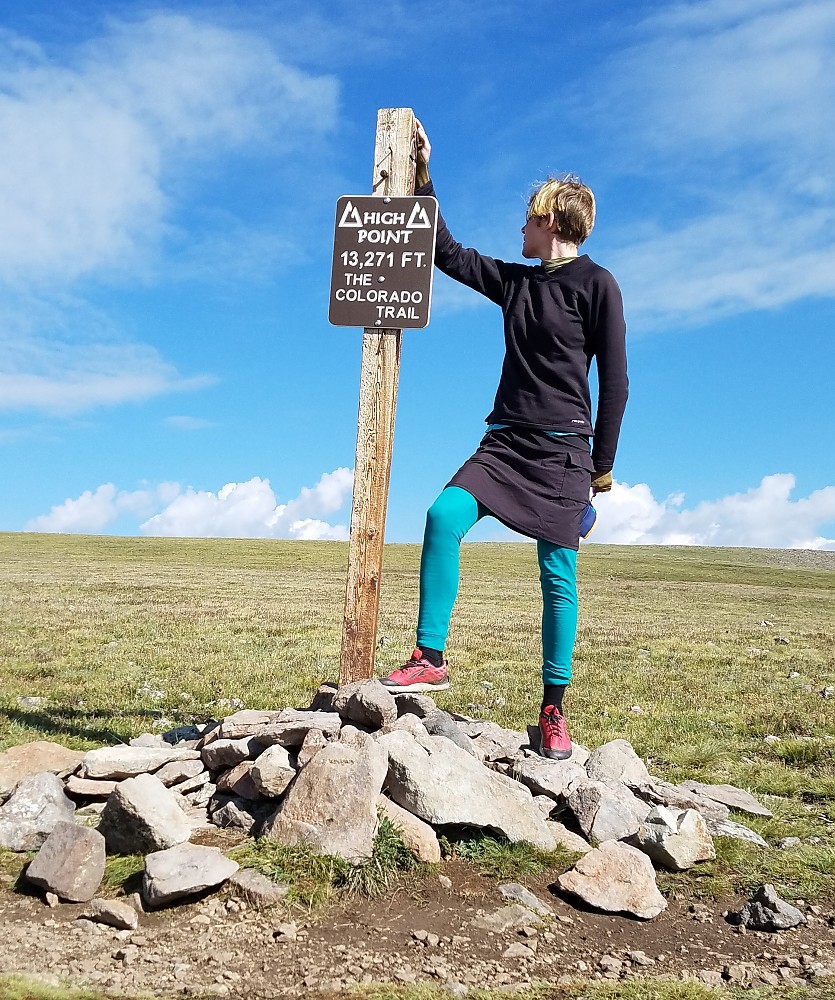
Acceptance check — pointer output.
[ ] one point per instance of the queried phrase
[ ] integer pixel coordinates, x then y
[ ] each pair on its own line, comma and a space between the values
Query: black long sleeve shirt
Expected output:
554, 324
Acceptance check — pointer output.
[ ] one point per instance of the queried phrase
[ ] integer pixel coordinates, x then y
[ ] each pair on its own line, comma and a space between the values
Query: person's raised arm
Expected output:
484, 274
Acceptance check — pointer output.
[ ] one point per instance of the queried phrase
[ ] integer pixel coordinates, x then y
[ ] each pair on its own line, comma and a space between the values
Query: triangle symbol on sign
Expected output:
350, 218
418, 219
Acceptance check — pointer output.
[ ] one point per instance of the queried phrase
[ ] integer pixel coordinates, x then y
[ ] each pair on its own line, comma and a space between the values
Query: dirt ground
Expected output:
421, 933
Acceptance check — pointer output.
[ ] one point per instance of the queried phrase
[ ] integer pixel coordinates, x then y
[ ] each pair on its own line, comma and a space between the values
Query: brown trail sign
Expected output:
384, 261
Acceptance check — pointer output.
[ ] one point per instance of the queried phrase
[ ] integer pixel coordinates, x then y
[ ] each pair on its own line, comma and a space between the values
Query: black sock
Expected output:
435, 656
553, 695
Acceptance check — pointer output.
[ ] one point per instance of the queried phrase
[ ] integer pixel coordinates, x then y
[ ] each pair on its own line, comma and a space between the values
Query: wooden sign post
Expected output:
394, 174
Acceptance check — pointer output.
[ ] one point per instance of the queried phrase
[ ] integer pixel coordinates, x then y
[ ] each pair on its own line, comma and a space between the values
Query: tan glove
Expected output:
601, 482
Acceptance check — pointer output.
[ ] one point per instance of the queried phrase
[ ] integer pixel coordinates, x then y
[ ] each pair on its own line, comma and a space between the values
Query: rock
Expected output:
518, 950
662, 793
443, 784
87, 788
727, 828
114, 913
224, 752
291, 727
70, 863
238, 781
32, 811
410, 724
787, 843
29, 759
730, 796
141, 816
494, 742
257, 889
617, 878
366, 702
193, 784
505, 918
178, 771
553, 778
766, 911
415, 704
675, 839
332, 804
120, 762
149, 740
286, 932
617, 761
183, 871
519, 894
233, 812
563, 837
418, 836
245, 723
311, 745
606, 810
711, 977
323, 699
441, 723
273, 771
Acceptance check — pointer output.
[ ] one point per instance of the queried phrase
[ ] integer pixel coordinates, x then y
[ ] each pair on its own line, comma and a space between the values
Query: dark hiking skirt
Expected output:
533, 483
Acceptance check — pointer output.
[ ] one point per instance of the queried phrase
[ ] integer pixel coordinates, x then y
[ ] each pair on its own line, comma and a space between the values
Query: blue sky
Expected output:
167, 191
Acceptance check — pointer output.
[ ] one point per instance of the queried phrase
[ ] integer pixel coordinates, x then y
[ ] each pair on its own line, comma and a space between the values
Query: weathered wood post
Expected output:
394, 174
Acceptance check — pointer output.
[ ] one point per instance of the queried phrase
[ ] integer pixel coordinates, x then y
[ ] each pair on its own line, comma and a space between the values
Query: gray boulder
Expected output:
675, 839
367, 703
766, 911
238, 781
414, 704
617, 761
178, 771
290, 728
273, 771
114, 913
236, 813
332, 805
554, 778
29, 759
606, 810
70, 863
617, 878
662, 793
730, 796
244, 723
441, 723
737, 831
141, 816
567, 839
418, 836
117, 763
32, 812
444, 785
183, 871
224, 752
519, 894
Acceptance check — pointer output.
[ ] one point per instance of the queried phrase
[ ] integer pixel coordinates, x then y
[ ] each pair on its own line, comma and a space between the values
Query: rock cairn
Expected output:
322, 777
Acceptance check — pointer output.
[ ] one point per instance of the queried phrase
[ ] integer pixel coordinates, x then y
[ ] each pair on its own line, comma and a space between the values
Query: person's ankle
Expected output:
434, 656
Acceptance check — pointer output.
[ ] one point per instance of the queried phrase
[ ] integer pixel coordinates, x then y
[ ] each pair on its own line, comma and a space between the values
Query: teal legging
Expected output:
450, 518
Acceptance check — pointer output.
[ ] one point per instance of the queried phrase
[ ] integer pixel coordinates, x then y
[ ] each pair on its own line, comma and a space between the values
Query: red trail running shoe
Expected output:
554, 741
417, 675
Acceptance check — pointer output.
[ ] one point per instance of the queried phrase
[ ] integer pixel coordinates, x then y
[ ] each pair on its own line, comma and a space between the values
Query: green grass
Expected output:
124, 635
314, 878
497, 858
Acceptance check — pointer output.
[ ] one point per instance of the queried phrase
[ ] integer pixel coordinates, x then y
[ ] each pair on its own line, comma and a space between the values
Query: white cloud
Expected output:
95, 509
105, 148
93, 144
238, 510
765, 516
723, 108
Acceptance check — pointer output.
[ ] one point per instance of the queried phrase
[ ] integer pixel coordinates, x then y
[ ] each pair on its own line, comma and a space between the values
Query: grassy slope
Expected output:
120, 634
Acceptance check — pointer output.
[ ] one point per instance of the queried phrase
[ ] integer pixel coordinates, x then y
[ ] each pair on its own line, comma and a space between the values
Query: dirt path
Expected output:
220, 946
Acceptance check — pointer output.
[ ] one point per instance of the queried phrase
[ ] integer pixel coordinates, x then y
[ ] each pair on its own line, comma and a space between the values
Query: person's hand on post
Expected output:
423, 150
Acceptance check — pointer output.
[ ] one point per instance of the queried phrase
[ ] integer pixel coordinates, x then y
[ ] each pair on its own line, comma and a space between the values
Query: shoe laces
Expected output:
553, 722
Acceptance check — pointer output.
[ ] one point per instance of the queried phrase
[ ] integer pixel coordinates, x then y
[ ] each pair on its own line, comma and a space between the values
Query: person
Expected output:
535, 469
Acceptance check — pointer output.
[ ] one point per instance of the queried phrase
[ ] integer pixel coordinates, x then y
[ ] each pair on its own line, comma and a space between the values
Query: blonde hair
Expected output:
572, 205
